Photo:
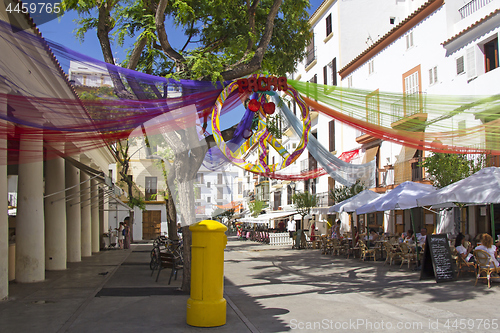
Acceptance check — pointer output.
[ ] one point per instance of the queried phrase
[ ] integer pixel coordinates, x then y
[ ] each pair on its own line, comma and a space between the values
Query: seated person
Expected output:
422, 236
373, 237
465, 253
355, 236
410, 238
487, 245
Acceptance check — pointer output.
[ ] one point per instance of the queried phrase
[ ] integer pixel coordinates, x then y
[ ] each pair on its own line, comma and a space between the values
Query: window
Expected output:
460, 65
220, 193
392, 20
412, 101
219, 178
310, 56
209, 199
328, 25
331, 135
209, 184
325, 75
199, 178
151, 187
433, 75
491, 55
240, 187
371, 67
333, 65
409, 40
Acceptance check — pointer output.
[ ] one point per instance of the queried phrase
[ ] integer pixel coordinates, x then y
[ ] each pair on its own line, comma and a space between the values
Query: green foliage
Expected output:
136, 202
446, 169
304, 201
274, 125
256, 207
342, 193
219, 36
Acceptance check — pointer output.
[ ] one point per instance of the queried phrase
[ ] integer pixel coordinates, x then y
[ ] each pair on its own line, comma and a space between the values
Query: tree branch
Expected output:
256, 62
104, 26
162, 33
136, 53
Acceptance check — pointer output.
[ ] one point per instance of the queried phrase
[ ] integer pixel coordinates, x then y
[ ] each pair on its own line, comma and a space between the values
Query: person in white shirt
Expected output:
487, 245
465, 253
291, 226
422, 236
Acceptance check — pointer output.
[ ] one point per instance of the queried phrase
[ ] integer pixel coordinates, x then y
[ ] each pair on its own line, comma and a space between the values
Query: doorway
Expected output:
151, 224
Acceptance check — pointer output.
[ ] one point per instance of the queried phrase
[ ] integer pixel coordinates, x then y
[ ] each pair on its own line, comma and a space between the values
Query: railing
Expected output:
322, 199
471, 7
408, 105
281, 238
311, 56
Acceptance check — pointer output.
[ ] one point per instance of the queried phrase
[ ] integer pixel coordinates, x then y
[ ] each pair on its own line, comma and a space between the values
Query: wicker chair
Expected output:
365, 251
464, 266
484, 265
392, 253
407, 255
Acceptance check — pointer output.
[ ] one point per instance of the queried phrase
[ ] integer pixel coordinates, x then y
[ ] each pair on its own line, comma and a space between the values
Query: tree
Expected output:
233, 40
303, 202
342, 193
445, 169
256, 207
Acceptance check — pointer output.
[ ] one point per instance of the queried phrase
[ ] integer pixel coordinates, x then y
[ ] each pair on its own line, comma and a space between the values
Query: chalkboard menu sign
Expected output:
437, 261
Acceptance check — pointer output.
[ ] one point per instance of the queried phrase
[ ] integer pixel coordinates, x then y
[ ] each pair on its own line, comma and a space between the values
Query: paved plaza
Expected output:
268, 289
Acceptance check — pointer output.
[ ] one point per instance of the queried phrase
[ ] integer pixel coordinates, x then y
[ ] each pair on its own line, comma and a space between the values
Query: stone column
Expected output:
73, 214
94, 213
85, 211
55, 215
30, 229
4, 218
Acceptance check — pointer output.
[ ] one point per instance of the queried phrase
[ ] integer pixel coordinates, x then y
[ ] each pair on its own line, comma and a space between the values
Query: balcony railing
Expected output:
472, 6
322, 199
408, 105
311, 56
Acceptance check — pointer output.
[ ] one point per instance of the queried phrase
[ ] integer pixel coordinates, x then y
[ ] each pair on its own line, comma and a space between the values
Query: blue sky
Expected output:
61, 31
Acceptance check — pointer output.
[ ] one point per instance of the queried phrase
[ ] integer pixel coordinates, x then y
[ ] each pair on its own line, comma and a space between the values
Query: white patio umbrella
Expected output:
350, 205
403, 196
481, 188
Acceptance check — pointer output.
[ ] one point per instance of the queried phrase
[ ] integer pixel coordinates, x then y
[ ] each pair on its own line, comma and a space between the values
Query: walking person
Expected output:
121, 233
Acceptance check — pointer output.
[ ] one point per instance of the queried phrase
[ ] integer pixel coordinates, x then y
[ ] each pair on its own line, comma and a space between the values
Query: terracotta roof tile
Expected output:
472, 26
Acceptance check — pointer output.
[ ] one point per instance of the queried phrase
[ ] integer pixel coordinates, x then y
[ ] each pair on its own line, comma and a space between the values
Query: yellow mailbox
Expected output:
206, 307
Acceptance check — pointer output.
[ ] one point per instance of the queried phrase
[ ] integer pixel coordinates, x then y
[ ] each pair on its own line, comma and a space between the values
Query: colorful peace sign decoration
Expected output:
265, 86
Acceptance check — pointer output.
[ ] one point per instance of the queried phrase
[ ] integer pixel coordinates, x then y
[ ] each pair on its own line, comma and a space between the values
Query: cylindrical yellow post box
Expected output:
206, 307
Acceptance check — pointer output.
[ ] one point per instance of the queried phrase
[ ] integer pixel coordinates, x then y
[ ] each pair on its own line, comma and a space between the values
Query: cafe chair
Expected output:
392, 253
464, 266
365, 251
484, 266
407, 255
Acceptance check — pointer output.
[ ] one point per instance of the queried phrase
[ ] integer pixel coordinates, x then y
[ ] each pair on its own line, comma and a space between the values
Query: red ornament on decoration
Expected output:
269, 107
254, 105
